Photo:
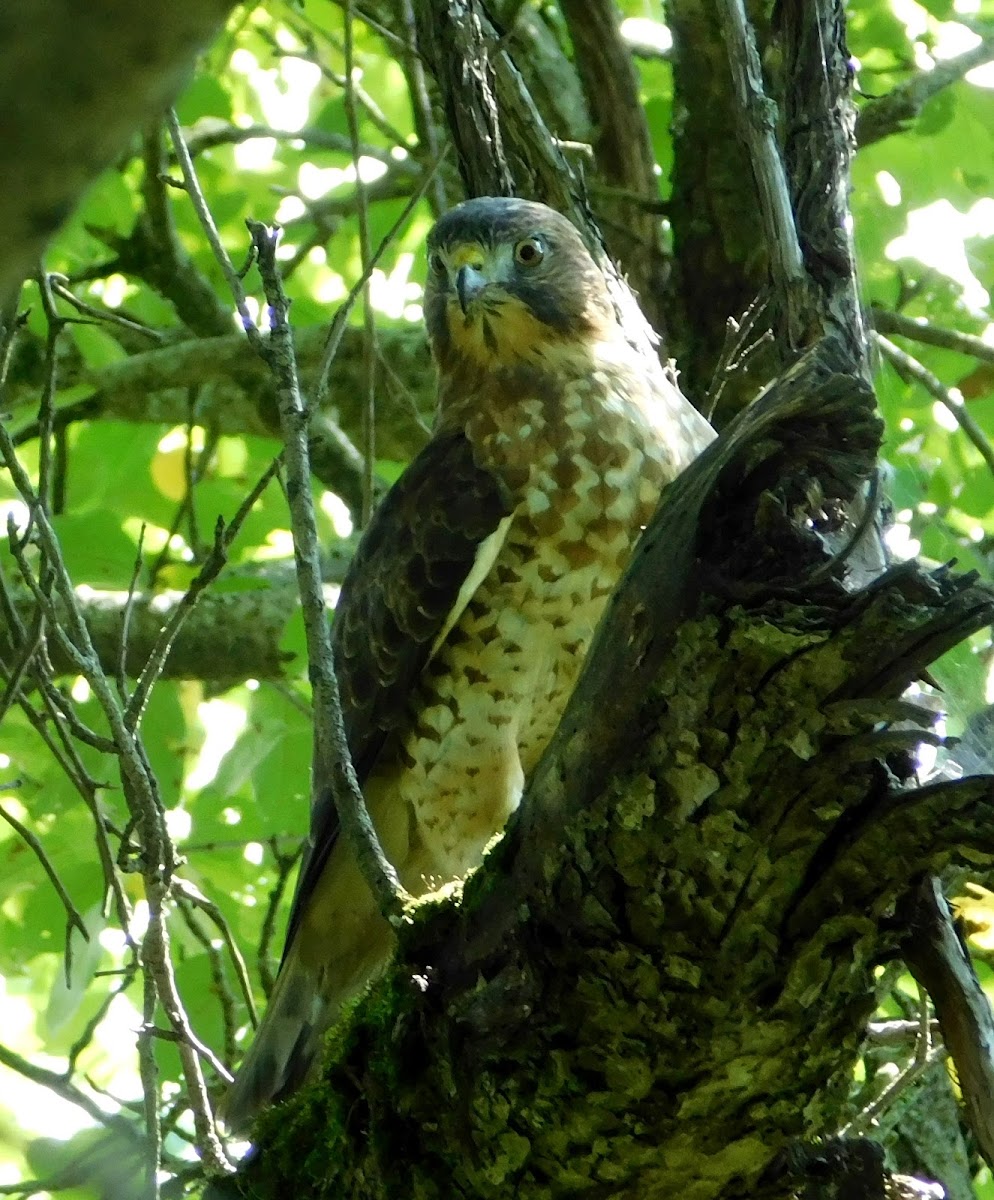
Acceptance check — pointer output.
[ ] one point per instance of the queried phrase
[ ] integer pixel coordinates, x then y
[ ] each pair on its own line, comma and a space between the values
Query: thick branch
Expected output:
503, 144
599, 940
941, 964
235, 395
622, 148
74, 85
233, 633
757, 117
895, 111
818, 148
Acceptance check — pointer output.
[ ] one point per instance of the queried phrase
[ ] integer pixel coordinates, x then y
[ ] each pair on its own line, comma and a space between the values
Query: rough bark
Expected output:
661, 978
627, 207
720, 265
659, 983
235, 631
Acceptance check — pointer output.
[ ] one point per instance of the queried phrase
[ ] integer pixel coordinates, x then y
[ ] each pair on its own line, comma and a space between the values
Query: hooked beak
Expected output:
470, 281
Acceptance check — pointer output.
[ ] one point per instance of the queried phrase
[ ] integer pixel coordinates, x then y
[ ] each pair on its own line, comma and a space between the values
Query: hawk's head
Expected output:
509, 280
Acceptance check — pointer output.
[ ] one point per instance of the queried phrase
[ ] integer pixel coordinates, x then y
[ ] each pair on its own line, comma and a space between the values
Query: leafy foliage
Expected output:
143, 470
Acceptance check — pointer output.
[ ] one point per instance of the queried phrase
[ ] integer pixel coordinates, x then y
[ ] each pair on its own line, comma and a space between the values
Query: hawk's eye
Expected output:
529, 252
436, 262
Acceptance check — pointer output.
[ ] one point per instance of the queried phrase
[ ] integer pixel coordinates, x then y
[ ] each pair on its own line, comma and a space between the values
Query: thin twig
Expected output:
67, 757
46, 407
158, 966
129, 604
421, 100
128, 973
223, 537
59, 285
158, 858
340, 319
372, 110
737, 349
15, 673
368, 323
197, 899
912, 371
892, 113
196, 195
63, 1087
284, 868
333, 767
149, 1073
321, 139
61, 709
193, 473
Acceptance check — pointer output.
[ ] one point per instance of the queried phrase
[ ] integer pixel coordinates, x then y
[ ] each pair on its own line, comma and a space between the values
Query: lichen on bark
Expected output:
660, 995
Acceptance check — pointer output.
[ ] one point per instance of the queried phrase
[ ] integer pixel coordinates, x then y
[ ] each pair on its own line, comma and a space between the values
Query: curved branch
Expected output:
886, 321
597, 941
757, 116
622, 147
893, 112
912, 371
235, 395
941, 964
73, 88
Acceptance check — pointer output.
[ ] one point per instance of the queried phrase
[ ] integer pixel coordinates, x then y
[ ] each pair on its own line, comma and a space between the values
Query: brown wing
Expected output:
408, 575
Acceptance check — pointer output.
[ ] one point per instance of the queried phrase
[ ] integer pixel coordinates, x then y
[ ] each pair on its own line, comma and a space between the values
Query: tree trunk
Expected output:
661, 978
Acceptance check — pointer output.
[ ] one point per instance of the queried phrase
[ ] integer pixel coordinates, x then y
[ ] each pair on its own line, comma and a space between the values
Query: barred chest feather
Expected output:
585, 458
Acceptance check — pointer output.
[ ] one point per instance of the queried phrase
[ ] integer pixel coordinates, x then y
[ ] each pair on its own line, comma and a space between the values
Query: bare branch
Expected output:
912, 371
196, 899
235, 393
285, 864
224, 536
941, 964
893, 112
339, 323
203, 212
368, 322
332, 762
63, 1087
75, 920
885, 321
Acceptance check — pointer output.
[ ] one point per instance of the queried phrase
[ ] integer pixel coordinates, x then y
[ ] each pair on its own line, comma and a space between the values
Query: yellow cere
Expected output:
467, 254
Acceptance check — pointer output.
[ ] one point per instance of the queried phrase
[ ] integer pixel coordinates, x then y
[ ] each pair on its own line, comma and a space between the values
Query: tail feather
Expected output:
285, 1047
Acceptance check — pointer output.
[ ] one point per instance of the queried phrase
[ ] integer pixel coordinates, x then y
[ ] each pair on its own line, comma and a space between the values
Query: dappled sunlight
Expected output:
163, 420
222, 722
936, 235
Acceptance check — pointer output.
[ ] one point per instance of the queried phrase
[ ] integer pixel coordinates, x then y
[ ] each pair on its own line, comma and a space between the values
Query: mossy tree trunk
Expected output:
660, 981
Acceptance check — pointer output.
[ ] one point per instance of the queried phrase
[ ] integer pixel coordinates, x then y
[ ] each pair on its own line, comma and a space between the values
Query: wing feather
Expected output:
429, 546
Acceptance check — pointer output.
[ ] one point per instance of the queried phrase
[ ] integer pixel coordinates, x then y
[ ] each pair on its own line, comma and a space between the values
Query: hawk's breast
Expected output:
585, 462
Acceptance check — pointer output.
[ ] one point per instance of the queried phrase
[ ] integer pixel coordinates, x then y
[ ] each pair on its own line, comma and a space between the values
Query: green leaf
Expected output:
204, 97
97, 346
66, 997
942, 10
96, 549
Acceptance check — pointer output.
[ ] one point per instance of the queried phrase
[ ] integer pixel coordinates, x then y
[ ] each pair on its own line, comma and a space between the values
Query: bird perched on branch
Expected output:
474, 594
